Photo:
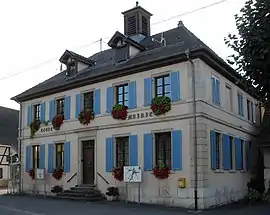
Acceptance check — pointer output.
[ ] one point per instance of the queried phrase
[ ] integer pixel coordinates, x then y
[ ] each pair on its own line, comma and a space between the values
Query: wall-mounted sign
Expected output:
40, 174
47, 129
140, 115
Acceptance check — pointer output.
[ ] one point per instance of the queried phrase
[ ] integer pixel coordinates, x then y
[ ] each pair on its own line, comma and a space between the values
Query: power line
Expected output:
89, 44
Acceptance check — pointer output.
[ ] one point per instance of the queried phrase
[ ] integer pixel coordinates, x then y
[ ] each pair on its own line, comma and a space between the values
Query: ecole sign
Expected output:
48, 129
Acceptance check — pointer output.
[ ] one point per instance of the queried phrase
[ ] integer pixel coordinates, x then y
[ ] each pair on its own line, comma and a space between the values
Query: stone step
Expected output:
80, 194
82, 191
83, 188
79, 198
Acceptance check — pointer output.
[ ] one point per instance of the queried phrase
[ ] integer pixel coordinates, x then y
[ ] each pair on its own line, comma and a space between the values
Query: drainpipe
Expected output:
20, 147
187, 52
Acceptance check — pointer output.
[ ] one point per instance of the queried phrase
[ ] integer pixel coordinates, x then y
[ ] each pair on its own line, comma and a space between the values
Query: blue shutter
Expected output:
175, 86
78, 105
42, 156
109, 154
50, 157
27, 158
147, 91
177, 150
67, 108
213, 150
213, 90
247, 154
51, 114
238, 154
148, 151
226, 147
67, 157
29, 114
109, 99
132, 100
133, 150
217, 92
42, 112
97, 101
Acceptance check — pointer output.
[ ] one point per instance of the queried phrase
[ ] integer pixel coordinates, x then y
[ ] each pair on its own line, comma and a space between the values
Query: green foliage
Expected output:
161, 105
252, 46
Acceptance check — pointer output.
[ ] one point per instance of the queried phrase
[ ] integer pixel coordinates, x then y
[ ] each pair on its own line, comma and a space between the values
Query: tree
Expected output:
252, 46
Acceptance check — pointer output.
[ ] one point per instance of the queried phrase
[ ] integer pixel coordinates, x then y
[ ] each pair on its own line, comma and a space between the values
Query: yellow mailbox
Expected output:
182, 183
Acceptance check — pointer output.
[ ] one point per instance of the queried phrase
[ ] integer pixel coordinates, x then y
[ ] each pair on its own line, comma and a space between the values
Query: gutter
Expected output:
187, 52
20, 148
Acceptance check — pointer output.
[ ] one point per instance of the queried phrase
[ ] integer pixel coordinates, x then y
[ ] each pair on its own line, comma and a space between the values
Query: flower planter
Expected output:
119, 112
86, 116
112, 198
57, 174
58, 121
161, 105
112, 193
34, 127
118, 173
161, 172
31, 173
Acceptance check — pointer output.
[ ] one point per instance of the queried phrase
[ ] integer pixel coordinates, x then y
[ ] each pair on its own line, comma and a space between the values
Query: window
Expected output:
88, 101
163, 148
232, 149
240, 104
122, 94
218, 150
37, 112
215, 90
35, 157
228, 98
60, 104
122, 151
1, 173
59, 155
250, 110
162, 86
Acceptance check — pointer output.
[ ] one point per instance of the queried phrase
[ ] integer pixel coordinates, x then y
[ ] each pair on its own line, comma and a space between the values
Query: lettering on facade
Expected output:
139, 115
48, 129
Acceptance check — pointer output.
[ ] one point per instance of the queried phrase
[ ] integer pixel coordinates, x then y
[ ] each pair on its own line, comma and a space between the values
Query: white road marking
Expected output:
18, 210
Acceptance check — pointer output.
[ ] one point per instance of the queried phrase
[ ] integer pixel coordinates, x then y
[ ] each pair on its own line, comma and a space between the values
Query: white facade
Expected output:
217, 186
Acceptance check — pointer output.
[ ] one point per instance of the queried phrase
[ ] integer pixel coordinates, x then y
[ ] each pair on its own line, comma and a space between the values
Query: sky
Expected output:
34, 33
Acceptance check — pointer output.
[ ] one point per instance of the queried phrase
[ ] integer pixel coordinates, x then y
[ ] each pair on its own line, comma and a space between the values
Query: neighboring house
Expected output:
138, 67
9, 124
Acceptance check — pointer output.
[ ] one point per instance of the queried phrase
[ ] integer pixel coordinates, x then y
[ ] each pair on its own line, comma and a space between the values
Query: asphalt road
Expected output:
23, 205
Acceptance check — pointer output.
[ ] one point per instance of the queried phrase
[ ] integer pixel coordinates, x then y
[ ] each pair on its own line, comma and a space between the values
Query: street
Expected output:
23, 205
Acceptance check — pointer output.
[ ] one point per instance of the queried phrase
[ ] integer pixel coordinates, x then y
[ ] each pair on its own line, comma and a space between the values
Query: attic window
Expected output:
131, 25
144, 26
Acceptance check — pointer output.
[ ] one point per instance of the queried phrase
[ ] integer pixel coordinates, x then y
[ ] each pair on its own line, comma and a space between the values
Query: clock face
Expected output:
132, 174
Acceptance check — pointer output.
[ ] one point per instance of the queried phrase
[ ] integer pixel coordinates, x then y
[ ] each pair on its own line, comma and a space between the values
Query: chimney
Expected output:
137, 21
180, 24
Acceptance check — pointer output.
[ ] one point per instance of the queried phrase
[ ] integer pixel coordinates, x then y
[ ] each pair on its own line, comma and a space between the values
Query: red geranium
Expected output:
161, 105
118, 173
86, 116
31, 173
161, 171
119, 112
57, 121
58, 173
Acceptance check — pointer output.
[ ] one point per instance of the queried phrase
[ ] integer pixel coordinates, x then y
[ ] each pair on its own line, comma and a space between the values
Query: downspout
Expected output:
187, 52
20, 147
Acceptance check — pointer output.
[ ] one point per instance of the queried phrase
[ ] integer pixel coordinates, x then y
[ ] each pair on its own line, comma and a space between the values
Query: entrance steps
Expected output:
88, 193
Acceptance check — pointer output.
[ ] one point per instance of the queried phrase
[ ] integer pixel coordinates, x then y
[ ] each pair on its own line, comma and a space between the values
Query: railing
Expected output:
69, 180
103, 178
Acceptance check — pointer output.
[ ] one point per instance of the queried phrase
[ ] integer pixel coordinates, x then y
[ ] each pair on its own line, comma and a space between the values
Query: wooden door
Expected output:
88, 161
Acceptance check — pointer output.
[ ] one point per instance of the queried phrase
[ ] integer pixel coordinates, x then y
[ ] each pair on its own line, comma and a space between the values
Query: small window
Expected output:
59, 155
218, 151
228, 98
215, 90
35, 157
88, 101
240, 104
162, 86
232, 159
60, 104
1, 173
122, 94
37, 112
163, 148
122, 151
250, 110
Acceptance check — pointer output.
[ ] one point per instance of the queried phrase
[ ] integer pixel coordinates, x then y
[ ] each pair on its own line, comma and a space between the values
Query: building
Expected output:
9, 124
137, 68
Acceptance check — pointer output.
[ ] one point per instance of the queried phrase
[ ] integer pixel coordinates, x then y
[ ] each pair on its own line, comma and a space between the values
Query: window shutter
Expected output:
67, 108
109, 154
147, 91
29, 114
50, 157
28, 158
109, 99
148, 151
133, 150
42, 112
97, 101
177, 150
132, 100
217, 92
67, 157
51, 110
78, 105
175, 86
238, 154
213, 150
213, 90
42, 156
226, 151
247, 154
